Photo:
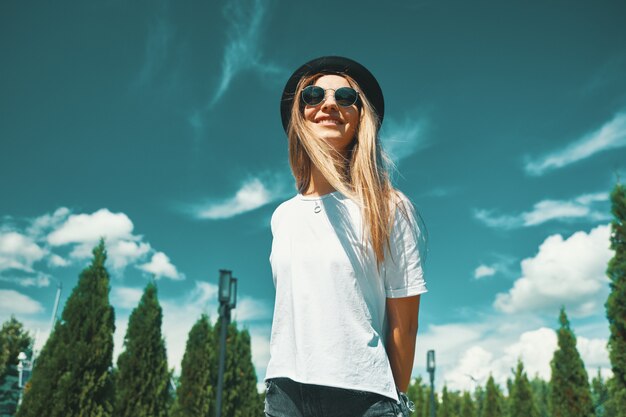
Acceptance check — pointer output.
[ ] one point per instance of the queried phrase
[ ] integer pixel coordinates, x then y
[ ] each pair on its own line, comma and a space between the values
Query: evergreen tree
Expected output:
521, 401
446, 407
493, 402
570, 395
72, 376
479, 400
239, 395
616, 302
142, 381
13, 340
541, 394
467, 406
195, 395
599, 395
427, 402
415, 392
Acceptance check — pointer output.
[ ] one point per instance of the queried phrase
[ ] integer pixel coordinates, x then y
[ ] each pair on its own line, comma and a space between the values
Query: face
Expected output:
332, 123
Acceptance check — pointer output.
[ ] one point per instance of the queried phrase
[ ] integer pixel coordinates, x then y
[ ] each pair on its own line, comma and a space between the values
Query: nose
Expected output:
329, 100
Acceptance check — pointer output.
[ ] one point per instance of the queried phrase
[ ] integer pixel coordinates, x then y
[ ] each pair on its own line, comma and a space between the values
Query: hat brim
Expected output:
333, 65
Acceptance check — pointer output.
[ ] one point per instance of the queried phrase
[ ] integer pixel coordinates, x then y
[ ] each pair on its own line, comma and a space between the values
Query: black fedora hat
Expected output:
333, 65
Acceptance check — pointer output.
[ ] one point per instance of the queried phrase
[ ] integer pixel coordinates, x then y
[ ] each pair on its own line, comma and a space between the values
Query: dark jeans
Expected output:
287, 398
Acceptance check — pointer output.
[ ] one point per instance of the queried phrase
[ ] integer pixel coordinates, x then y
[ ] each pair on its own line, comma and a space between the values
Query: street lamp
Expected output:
227, 296
430, 367
21, 357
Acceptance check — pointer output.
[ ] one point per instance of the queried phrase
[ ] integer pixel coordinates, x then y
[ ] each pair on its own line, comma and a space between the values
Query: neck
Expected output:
318, 185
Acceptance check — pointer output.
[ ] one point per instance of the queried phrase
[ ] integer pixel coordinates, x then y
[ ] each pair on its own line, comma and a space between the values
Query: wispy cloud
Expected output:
581, 208
252, 194
568, 272
484, 271
17, 303
403, 139
242, 52
611, 135
157, 50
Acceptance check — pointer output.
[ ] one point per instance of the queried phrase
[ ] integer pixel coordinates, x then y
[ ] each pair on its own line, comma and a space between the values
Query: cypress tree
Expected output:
13, 340
467, 406
570, 395
492, 402
479, 399
427, 395
521, 401
541, 394
75, 365
616, 302
195, 395
246, 380
599, 395
446, 408
239, 395
415, 392
142, 381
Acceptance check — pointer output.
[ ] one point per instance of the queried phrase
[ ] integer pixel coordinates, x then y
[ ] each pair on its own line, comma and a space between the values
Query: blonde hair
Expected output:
362, 175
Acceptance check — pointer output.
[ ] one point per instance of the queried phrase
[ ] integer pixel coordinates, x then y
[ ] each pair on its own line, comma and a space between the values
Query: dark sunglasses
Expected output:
344, 96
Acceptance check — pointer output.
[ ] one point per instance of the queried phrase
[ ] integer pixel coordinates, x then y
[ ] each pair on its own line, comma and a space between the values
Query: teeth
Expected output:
329, 121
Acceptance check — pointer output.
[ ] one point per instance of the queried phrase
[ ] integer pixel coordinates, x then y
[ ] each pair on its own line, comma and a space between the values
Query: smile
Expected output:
328, 121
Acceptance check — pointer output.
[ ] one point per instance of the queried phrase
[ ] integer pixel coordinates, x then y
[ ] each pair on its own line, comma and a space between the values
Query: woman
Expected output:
345, 259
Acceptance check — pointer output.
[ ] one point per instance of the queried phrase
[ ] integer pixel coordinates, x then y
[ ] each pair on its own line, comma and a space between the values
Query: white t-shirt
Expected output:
329, 325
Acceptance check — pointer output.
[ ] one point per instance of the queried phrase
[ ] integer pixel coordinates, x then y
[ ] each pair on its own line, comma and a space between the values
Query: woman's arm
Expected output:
402, 318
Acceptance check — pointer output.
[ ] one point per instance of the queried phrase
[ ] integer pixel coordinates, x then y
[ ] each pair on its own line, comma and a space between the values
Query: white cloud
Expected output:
125, 297
124, 252
579, 208
402, 140
89, 228
161, 266
484, 271
123, 247
568, 272
252, 195
610, 136
13, 302
251, 309
494, 348
43, 224
18, 251
34, 279
57, 261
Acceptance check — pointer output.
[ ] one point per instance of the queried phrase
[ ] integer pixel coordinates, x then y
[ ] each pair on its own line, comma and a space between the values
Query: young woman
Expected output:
345, 258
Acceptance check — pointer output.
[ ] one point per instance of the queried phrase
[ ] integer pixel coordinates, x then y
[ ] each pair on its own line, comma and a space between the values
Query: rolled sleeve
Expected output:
403, 273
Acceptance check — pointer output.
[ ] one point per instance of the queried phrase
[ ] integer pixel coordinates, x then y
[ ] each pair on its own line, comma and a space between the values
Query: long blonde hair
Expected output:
362, 175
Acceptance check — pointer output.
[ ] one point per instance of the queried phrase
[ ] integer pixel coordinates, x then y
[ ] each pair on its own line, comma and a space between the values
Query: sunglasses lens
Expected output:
345, 96
313, 95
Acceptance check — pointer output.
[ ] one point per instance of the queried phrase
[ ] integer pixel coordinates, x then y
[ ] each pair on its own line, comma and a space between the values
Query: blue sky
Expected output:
156, 124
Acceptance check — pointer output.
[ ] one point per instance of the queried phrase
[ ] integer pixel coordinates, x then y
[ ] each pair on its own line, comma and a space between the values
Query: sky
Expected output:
157, 126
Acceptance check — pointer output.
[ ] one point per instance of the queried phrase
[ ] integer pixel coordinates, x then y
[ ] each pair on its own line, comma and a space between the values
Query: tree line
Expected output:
74, 375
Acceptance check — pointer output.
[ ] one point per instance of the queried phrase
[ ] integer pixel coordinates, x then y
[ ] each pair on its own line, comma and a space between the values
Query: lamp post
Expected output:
21, 357
227, 296
430, 367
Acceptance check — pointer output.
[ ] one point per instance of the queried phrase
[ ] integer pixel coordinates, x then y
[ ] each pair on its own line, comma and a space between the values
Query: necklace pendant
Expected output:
317, 209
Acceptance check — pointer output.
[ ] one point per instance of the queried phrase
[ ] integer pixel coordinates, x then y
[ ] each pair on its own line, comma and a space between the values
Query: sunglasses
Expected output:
344, 96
